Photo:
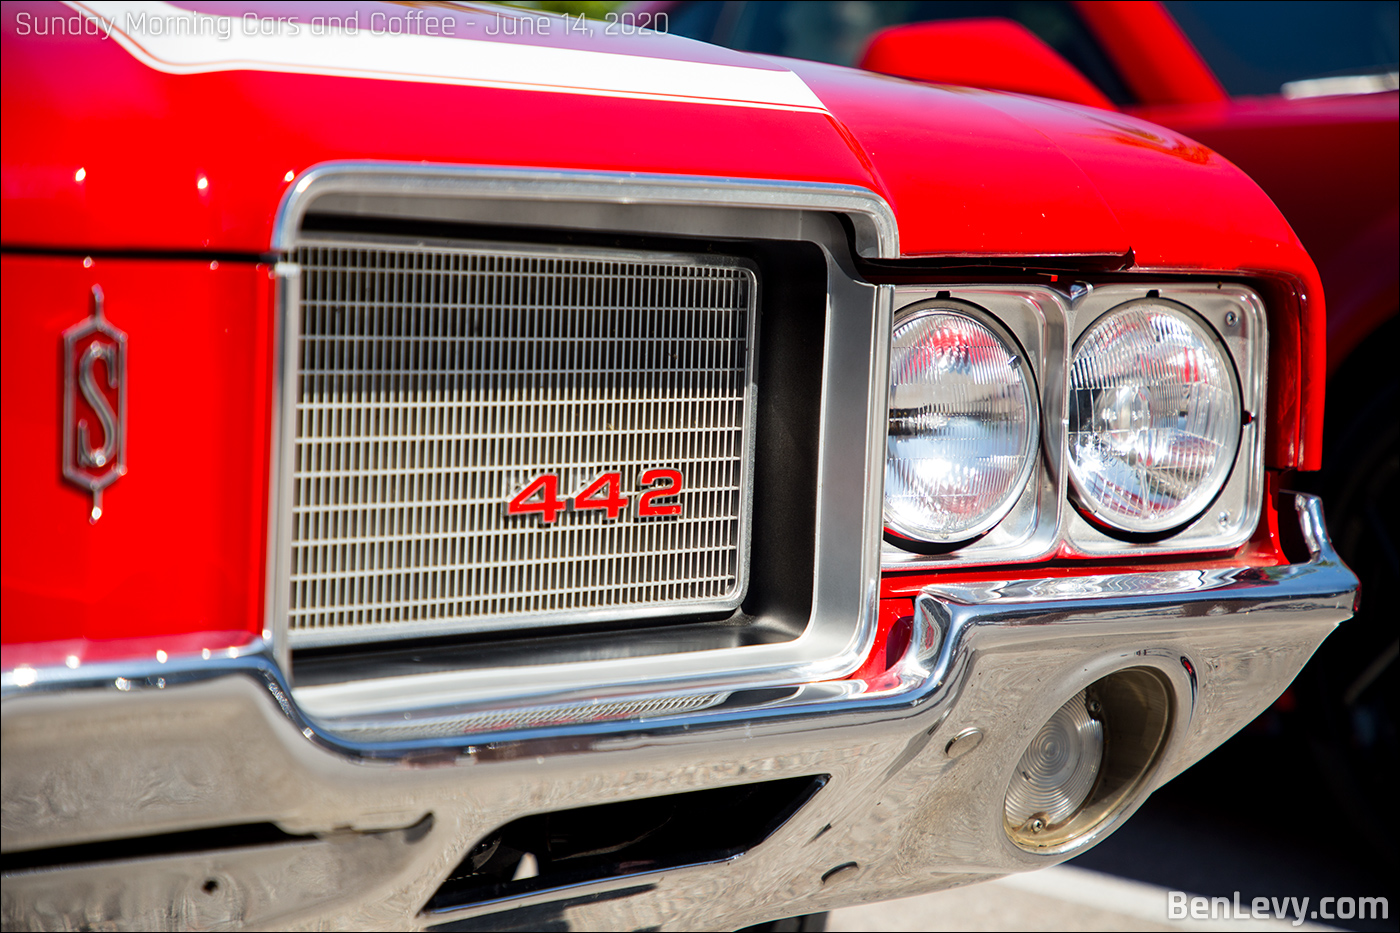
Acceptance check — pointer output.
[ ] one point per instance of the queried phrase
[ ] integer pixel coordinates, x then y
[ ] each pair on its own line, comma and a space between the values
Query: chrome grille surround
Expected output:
436, 379
777, 643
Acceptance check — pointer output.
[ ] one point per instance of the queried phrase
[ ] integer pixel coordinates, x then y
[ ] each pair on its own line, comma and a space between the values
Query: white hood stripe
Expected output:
198, 43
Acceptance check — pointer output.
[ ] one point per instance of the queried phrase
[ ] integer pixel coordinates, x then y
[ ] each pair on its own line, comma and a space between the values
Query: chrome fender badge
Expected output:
94, 403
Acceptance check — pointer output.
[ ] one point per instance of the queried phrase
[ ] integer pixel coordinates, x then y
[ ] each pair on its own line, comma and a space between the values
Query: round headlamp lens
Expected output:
963, 425
1154, 417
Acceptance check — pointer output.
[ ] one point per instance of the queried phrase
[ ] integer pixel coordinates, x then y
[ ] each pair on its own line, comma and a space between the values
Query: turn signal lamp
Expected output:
1091, 762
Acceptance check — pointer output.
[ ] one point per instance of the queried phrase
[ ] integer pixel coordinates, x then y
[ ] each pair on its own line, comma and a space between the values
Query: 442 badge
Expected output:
541, 496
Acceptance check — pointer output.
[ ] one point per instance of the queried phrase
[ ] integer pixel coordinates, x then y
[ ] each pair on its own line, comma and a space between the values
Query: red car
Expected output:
473, 467
1300, 95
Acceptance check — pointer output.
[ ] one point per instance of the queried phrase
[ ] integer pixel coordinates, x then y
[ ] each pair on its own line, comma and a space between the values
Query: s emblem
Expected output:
94, 403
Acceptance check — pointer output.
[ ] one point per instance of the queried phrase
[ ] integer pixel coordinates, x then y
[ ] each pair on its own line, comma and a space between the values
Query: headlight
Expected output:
1154, 416
963, 424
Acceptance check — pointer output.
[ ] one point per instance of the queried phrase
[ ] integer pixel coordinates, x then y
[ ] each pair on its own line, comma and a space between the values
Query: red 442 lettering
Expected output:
541, 496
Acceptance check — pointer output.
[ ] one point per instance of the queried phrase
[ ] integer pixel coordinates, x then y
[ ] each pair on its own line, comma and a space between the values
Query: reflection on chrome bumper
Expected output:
378, 827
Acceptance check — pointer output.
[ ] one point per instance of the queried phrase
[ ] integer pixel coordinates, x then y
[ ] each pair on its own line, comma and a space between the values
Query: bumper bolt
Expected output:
841, 873
964, 742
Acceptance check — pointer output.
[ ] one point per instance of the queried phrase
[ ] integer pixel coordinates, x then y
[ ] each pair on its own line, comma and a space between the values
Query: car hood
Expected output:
164, 127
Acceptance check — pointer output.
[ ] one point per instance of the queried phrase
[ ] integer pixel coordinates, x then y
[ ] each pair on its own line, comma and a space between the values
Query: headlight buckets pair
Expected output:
1154, 420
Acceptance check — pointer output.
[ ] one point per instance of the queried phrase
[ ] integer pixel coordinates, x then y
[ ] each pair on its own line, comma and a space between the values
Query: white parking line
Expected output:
1059, 898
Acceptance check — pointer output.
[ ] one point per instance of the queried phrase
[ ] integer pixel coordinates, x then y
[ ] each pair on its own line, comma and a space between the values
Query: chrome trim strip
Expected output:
281, 459
428, 185
569, 891
132, 674
997, 657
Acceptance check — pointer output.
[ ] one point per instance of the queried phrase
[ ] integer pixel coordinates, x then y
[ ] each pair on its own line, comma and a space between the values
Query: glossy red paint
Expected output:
146, 140
991, 52
1329, 164
891, 640
178, 553
1158, 62
1031, 177
102, 153
968, 172
1293, 436
1204, 212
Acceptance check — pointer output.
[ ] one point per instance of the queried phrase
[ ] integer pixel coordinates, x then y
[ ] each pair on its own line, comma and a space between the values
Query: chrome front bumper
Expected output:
120, 753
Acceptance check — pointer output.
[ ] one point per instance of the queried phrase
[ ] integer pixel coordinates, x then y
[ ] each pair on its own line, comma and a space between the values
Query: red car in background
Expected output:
1303, 97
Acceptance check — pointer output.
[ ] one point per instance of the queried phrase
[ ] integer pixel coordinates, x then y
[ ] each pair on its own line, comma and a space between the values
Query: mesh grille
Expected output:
434, 383
530, 717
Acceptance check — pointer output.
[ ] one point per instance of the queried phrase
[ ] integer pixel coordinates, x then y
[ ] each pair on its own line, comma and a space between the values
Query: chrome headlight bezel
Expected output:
1032, 318
904, 532
1047, 322
1236, 314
